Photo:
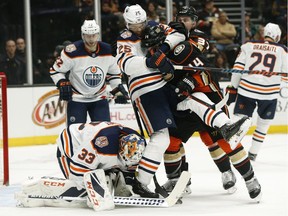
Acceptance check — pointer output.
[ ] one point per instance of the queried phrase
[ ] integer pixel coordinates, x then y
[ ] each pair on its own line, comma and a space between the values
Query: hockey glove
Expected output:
232, 94
121, 95
186, 85
160, 61
65, 89
179, 27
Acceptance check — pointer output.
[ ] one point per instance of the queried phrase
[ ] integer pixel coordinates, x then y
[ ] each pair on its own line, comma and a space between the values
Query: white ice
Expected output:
208, 197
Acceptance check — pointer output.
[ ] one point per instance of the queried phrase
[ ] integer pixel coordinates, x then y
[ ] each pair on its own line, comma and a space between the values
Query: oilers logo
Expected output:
93, 76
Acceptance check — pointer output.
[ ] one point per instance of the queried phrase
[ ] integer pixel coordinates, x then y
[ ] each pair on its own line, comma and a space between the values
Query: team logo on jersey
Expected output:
93, 76
169, 121
126, 34
49, 112
70, 48
101, 141
179, 49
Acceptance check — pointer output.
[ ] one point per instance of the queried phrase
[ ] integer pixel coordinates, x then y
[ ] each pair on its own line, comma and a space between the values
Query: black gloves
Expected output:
121, 95
65, 89
179, 27
232, 94
186, 85
160, 61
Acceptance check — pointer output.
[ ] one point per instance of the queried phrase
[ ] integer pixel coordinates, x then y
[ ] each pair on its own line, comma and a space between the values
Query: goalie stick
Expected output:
134, 201
222, 70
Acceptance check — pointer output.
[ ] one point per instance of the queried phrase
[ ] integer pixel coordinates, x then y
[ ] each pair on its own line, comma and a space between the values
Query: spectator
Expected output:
223, 32
12, 65
207, 16
221, 62
38, 76
259, 35
110, 22
151, 12
250, 30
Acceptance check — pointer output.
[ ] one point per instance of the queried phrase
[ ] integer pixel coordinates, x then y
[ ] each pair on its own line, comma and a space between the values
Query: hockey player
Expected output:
148, 90
258, 90
185, 53
84, 149
89, 63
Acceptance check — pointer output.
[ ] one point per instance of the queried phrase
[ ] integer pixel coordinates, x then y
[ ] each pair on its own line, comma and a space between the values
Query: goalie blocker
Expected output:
56, 192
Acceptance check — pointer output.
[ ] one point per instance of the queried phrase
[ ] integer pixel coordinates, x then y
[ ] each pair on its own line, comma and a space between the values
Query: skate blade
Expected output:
236, 138
232, 190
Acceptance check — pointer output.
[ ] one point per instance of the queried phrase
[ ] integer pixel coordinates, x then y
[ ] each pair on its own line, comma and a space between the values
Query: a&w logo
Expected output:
49, 111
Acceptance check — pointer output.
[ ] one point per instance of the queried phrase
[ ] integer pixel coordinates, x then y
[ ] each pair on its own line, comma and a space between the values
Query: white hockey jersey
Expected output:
132, 61
88, 71
90, 146
262, 56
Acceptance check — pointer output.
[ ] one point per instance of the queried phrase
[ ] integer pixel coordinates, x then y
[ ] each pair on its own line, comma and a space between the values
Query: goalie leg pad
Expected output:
98, 191
39, 192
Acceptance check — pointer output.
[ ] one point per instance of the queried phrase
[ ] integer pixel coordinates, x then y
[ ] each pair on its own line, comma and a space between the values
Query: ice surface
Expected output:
208, 198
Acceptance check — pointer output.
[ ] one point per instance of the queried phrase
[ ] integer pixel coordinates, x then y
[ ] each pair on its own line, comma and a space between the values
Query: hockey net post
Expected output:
4, 158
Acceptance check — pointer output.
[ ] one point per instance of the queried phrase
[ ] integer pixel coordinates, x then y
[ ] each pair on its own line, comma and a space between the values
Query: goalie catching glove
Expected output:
232, 94
65, 89
121, 95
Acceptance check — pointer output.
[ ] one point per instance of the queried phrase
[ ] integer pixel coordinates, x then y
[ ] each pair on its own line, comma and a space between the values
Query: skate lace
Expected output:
227, 177
252, 184
170, 184
146, 189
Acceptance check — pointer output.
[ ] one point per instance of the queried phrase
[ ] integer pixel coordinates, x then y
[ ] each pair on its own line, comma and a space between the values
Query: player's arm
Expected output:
61, 66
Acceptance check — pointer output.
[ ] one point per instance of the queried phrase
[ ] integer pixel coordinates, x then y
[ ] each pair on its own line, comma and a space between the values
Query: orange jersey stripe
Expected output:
266, 89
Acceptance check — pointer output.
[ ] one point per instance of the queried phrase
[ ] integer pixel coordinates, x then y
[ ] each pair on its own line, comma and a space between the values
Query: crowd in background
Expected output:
51, 31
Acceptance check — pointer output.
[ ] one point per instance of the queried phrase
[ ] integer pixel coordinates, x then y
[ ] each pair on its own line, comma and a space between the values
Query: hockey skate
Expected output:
229, 180
170, 184
251, 156
254, 189
143, 190
233, 133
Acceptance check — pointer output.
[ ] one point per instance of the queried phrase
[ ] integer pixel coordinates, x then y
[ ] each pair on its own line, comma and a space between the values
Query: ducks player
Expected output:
189, 52
258, 90
89, 63
84, 151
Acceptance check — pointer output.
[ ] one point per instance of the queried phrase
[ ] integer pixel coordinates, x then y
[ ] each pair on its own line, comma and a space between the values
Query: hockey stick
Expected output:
135, 109
133, 201
217, 106
222, 70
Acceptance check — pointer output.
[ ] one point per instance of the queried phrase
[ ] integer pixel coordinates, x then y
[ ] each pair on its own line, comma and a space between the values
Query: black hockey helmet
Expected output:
152, 36
187, 11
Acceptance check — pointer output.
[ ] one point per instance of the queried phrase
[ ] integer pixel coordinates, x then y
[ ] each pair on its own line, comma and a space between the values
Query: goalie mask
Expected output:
90, 32
131, 149
152, 36
273, 31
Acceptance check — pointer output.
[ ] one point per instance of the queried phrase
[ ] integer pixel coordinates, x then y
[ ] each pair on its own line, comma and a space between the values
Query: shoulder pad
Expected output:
181, 52
70, 48
128, 35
